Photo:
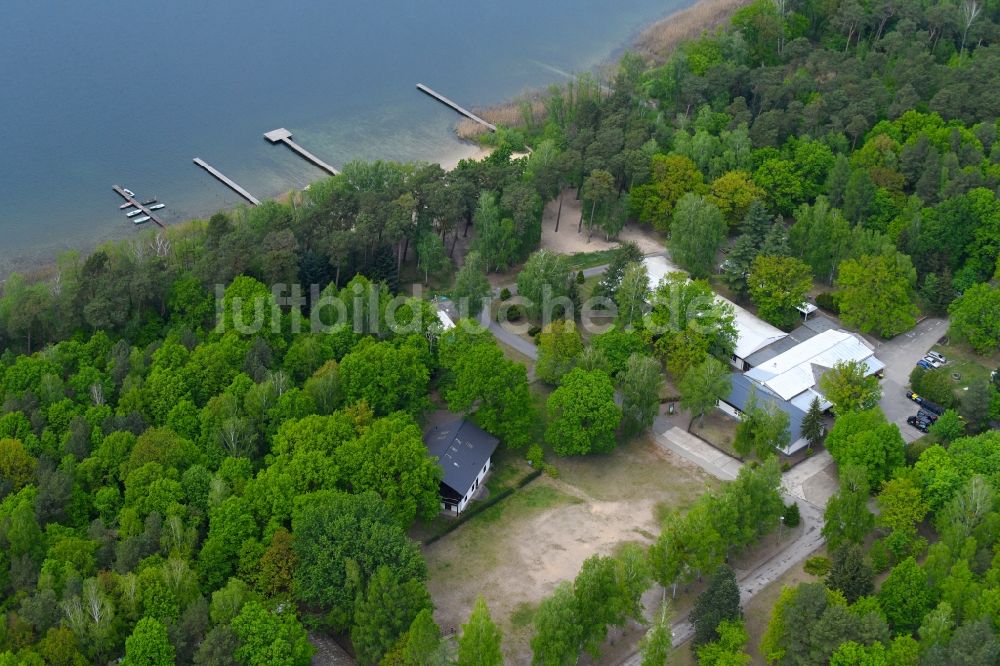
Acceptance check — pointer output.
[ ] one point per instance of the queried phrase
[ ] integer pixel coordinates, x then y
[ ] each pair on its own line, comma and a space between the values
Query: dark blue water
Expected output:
99, 93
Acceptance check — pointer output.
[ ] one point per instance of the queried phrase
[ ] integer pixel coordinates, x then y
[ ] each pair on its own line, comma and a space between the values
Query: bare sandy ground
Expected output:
568, 241
541, 535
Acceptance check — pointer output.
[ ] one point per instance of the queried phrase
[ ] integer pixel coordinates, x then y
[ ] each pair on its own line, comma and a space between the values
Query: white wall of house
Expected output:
729, 409
797, 445
475, 487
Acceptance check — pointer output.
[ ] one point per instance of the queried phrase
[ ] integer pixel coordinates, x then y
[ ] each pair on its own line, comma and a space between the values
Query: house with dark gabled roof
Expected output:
465, 453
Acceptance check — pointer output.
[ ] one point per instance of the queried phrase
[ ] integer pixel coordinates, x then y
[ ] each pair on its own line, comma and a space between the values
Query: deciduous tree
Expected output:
479, 644
777, 286
876, 294
582, 414
703, 386
640, 386
846, 518
695, 234
849, 387
559, 346
148, 645
472, 288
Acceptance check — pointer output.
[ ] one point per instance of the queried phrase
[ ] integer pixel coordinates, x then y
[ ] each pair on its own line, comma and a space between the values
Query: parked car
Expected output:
920, 424
937, 356
925, 403
925, 365
933, 361
926, 415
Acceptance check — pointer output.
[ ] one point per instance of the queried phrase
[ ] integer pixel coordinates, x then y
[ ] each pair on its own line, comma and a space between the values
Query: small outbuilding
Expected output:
465, 455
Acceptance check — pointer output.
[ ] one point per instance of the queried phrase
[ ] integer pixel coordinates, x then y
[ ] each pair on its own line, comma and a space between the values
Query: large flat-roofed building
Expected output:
793, 373
735, 404
752, 333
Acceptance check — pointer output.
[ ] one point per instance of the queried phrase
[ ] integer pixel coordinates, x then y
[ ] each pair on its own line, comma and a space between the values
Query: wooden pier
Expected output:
135, 202
461, 109
281, 135
226, 181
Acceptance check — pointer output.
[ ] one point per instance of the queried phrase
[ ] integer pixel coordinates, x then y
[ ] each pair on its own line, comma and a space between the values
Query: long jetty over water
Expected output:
226, 181
281, 135
135, 202
461, 109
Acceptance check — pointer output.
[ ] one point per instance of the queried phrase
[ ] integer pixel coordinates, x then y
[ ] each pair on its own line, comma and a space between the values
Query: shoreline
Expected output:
654, 42
651, 41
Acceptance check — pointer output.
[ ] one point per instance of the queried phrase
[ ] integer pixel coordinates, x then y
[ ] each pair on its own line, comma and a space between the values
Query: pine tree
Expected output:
812, 425
850, 573
720, 601
776, 242
480, 641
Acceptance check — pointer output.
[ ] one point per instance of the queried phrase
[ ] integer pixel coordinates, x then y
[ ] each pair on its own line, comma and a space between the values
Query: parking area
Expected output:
900, 355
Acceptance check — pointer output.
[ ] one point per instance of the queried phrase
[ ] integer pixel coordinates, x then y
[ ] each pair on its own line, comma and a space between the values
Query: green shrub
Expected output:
935, 385
817, 566
505, 294
828, 301
534, 331
535, 456
880, 556
792, 516
552, 471
580, 279
515, 312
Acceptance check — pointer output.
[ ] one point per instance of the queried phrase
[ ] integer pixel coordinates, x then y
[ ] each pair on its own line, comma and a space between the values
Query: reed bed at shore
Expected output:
660, 39
522, 111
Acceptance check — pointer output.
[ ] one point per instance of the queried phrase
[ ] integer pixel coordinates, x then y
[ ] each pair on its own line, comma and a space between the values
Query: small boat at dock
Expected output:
141, 220
128, 191
127, 204
157, 206
133, 213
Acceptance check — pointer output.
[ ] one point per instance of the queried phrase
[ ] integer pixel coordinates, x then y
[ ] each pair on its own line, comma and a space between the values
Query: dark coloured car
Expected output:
923, 425
927, 416
932, 407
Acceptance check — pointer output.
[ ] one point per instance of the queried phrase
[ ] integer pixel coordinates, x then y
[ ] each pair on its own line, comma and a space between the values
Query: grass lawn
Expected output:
719, 430
581, 260
970, 366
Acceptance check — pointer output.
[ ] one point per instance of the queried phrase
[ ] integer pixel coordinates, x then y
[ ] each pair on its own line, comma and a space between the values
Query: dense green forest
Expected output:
173, 491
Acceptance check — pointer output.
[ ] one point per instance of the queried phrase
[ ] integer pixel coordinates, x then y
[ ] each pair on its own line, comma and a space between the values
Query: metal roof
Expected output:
739, 396
796, 370
462, 449
753, 333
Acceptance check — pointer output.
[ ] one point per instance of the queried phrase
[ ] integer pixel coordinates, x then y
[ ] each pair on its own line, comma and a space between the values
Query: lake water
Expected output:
125, 92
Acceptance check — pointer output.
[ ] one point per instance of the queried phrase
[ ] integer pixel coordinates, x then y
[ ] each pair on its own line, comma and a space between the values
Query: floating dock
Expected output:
461, 109
226, 181
281, 135
135, 202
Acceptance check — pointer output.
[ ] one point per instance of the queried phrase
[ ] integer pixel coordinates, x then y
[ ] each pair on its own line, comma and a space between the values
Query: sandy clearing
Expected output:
568, 241
540, 536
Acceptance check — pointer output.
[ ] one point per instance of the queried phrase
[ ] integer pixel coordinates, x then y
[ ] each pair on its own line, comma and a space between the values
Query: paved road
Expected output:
721, 466
900, 355
507, 333
726, 467
712, 460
